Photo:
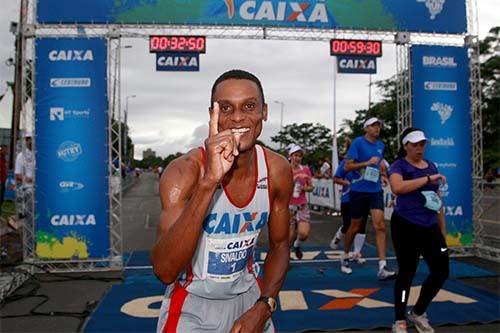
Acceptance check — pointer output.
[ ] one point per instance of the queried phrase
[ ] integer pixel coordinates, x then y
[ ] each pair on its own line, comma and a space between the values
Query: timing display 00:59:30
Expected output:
177, 44
356, 47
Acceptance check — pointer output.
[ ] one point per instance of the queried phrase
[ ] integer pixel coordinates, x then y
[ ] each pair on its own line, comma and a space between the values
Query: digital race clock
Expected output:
177, 44
355, 47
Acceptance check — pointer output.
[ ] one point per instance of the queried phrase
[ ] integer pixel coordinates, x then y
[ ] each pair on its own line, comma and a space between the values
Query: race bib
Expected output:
227, 258
371, 174
432, 200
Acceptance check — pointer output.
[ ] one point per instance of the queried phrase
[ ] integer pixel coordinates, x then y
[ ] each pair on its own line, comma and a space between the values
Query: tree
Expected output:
315, 139
490, 95
385, 110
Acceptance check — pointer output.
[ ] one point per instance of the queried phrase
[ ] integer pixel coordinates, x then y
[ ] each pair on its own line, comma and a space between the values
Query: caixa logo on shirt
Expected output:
228, 223
69, 151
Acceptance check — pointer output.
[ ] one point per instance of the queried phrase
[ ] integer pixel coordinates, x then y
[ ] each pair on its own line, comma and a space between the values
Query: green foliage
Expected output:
315, 139
490, 98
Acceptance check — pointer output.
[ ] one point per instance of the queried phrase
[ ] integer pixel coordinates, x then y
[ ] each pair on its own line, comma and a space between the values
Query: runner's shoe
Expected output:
421, 322
358, 257
386, 274
345, 267
298, 252
399, 327
334, 244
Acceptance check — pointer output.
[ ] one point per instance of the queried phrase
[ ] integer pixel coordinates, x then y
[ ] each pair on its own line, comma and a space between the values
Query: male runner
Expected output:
364, 157
215, 200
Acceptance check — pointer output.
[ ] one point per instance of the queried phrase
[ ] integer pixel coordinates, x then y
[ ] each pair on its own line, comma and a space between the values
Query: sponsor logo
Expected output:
241, 244
71, 55
447, 165
448, 142
70, 186
444, 111
70, 82
358, 64
434, 6
453, 210
285, 11
68, 151
441, 62
443, 249
177, 61
262, 183
227, 223
442, 86
60, 114
322, 192
60, 220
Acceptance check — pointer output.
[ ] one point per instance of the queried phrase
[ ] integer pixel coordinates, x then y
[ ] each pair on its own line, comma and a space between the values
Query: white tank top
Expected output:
223, 265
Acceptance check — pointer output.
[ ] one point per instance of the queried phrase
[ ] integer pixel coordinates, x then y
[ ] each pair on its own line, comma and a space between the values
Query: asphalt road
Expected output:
65, 303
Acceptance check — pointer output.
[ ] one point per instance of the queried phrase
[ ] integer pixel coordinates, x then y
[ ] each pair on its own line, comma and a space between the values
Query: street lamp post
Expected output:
125, 131
282, 104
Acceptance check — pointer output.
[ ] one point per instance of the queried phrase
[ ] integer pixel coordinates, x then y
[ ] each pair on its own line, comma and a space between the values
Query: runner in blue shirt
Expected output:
365, 160
418, 228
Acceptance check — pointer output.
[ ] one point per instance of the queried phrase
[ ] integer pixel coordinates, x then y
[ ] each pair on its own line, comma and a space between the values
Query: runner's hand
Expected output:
221, 148
373, 160
437, 177
252, 321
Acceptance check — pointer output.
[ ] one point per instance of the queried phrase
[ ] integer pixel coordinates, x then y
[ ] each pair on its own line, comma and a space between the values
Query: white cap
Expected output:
414, 137
371, 121
28, 134
294, 149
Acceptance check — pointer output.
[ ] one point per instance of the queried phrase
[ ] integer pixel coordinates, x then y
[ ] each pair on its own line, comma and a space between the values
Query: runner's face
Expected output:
241, 109
296, 158
373, 130
415, 150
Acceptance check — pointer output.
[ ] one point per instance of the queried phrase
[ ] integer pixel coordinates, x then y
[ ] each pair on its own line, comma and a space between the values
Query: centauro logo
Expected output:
235, 223
290, 11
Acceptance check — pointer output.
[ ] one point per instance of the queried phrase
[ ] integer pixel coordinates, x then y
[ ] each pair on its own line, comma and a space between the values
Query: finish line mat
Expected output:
315, 296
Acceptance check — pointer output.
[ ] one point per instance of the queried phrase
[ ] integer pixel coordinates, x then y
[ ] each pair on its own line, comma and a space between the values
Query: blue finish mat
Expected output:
314, 296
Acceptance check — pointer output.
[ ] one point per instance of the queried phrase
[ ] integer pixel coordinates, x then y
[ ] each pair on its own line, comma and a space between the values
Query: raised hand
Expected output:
221, 148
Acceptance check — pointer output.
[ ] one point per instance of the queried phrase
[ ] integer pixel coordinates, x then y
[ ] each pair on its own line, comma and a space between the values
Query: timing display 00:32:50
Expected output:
177, 44
355, 47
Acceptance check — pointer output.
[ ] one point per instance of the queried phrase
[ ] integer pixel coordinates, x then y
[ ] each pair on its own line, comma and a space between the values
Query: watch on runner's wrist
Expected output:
270, 301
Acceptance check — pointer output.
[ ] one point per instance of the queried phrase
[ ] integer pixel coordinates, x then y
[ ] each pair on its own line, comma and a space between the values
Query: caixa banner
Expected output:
71, 210
440, 16
441, 107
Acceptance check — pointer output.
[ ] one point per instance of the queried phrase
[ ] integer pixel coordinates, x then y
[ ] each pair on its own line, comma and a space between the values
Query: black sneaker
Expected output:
298, 252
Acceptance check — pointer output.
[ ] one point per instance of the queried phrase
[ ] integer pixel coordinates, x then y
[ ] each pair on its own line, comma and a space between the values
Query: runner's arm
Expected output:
185, 198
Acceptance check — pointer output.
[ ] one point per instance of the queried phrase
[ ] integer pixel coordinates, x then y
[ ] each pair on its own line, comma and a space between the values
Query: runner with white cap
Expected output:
418, 229
300, 218
364, 157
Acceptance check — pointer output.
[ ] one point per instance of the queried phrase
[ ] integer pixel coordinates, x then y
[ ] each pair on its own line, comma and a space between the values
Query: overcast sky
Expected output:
169, 113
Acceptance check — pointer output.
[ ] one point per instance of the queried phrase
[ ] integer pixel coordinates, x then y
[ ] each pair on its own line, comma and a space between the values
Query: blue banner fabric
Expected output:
71, 209
440, 16
441, 107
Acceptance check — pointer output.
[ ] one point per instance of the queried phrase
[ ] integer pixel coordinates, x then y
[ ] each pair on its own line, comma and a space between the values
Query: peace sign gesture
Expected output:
221, 148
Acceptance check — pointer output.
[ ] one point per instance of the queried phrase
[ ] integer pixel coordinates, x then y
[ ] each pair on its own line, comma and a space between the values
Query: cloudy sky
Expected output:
169, 113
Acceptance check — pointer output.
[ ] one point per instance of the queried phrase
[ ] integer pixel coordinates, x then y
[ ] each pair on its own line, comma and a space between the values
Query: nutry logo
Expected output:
448, 142
59, 114
178, 61
70, 186
71, 55
439, 85
444, 111
432, 61
287, 11
227, 223
355, 63
70, 82
61, 220
69, 151
434, 6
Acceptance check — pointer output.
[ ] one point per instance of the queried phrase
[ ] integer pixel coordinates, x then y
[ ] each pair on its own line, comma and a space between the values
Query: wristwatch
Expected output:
270, 301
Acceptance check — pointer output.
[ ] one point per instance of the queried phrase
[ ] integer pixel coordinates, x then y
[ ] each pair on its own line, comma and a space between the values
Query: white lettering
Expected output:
71, 55
61, 220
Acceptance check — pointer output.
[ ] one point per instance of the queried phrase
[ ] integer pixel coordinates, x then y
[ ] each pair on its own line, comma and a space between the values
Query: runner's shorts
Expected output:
299, 213
361, 202
182, 312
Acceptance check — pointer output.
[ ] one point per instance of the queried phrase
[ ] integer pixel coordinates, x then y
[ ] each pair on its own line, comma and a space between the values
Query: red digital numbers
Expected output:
356, 47
195, 44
